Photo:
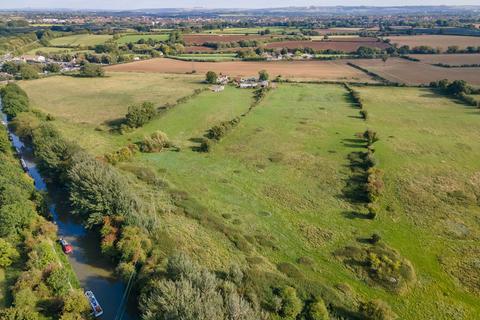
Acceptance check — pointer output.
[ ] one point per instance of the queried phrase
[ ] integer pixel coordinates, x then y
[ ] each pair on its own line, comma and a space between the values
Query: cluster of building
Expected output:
72, 65
273, 56
243, 83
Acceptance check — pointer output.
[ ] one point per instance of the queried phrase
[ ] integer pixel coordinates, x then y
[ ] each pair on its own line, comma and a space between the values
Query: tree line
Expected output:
40, 280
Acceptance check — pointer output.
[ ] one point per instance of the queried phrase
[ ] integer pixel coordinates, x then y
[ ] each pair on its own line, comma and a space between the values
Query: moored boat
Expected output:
97, 309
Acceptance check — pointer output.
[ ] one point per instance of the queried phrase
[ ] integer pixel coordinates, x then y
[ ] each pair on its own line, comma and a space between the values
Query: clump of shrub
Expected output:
380, 264
317, 310
364, 114
205, 145
90, 70
156, 142
458, 89
374, 184
196, 293
290, 303
217, 132
15, 100
371, 137
211, 77
123, 154
376, 310
138, 115
354, 96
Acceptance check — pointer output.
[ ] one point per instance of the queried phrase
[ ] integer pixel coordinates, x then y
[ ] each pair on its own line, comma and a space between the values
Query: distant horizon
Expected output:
126, 5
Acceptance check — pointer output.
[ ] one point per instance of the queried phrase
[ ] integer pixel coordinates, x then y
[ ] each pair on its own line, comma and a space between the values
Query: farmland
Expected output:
136, 37
320, 70
124, 89
436, 41
199, 39
207, 57
292, 163
280, 177
404, 71
449, 59
80, 40
344, 45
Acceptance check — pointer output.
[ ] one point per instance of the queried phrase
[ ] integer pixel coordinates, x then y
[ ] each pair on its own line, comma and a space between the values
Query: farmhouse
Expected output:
223, 79
247, 83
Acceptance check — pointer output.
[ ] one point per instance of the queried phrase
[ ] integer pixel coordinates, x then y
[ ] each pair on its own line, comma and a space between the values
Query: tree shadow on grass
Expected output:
354, 215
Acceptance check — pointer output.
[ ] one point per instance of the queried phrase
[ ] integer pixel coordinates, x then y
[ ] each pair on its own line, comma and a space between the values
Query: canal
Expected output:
93, 270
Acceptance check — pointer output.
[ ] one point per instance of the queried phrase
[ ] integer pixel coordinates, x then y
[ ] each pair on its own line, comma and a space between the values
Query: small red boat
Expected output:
66, 247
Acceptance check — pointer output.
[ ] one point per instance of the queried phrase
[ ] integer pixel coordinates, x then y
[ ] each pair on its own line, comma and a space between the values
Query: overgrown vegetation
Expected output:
379, 264
14, 99
42, 286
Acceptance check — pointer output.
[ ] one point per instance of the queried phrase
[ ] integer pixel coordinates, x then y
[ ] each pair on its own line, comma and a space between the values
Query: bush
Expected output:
58, 281
317, 311
364, 114
28, 72
263, 75
376, 310
155, 142
370, 136
91, 70
138, 115
8, 253
123, 154
218, 131
372, 211
205, 145
374, 183
291, 303
211, 77
375, 238
191, 292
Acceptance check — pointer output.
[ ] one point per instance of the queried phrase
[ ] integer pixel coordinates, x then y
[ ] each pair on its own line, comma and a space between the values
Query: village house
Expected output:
222, 79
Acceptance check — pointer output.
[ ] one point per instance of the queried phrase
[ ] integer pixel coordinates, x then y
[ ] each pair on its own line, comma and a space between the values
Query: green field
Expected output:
80, 40
50, 50
274, 30
279, 178
135, 37
106, 99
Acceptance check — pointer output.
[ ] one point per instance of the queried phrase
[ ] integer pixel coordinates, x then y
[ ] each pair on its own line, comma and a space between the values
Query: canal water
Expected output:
94, 272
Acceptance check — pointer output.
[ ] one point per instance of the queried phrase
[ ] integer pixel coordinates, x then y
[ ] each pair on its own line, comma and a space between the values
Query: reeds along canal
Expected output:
93, 270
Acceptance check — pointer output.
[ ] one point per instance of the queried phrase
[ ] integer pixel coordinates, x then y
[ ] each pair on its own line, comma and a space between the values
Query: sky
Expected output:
138, 4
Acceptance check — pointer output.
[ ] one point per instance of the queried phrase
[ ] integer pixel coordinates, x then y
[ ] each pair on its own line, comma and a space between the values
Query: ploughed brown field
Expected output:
199, 39
450, 59
341, 45
307, 70
409, 72
436, 41
350, 39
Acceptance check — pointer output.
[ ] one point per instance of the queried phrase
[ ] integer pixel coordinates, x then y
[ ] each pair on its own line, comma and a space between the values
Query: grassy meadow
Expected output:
80, 40
135, 37
278, 179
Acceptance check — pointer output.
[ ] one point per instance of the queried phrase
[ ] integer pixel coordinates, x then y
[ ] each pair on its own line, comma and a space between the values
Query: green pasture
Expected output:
80, 40
280, 176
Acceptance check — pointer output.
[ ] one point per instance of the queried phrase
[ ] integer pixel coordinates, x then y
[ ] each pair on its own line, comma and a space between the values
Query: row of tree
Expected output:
458, 89
28, 254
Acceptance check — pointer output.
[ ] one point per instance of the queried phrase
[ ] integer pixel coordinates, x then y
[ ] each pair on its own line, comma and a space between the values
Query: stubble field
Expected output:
317, 70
